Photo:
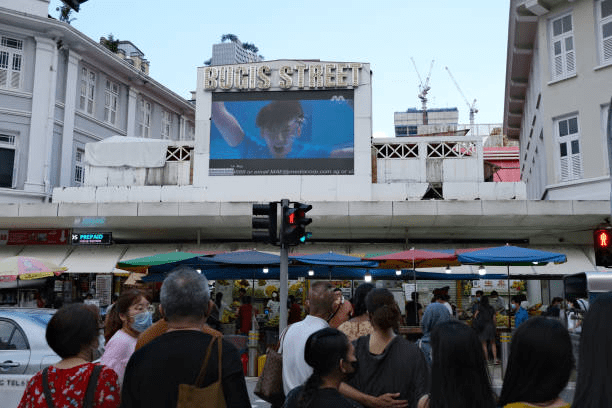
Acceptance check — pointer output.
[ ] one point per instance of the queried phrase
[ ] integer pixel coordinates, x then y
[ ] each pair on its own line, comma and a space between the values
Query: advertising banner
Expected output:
282, 133
35, 237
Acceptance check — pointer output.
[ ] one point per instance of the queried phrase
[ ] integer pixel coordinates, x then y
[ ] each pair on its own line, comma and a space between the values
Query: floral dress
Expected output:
68, 388
355, 329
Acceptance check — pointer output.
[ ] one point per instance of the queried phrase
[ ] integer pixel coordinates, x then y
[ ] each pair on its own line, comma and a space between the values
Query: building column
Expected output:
182, 127
72, 83
41, 125
132, 112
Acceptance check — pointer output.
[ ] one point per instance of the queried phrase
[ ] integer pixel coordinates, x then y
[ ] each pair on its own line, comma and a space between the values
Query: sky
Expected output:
469, 37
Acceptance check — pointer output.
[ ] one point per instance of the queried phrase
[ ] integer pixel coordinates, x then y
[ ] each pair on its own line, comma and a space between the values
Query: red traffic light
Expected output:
603, 238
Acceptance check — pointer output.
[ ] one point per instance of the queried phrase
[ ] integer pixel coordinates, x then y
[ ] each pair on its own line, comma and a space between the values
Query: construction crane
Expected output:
423, 88
471, 106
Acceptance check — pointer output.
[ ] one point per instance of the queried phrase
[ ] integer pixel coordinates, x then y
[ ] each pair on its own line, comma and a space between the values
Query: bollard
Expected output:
504, 339
253, 337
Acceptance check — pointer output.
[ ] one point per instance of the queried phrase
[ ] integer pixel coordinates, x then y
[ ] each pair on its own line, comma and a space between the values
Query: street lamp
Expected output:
481, 270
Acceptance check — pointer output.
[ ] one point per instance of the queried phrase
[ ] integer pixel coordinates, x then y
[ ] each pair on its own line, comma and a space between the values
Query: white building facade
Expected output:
94, 94
556, 100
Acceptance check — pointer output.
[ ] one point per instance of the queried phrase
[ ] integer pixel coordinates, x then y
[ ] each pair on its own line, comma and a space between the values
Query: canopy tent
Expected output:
509, 255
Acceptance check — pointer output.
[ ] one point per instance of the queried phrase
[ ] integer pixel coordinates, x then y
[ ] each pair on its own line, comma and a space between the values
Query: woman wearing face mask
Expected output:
72, 333
332, 358
129, 317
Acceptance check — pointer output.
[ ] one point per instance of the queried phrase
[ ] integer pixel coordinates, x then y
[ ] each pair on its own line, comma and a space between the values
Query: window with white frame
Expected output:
87, 91
570, 151
79, 168
11, 62
144, 118
604, 11
166, 127
111, 97
562, 47
7, 160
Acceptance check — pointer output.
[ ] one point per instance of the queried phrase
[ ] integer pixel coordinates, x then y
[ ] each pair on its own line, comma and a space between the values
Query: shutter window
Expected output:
605, 23
11, 62
570, 156
563, 53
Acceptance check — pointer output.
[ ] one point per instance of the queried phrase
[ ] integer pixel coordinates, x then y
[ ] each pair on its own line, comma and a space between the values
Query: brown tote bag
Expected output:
193, 396
269, 386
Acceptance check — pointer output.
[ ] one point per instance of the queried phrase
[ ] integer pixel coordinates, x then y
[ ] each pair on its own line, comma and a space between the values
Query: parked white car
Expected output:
23, 350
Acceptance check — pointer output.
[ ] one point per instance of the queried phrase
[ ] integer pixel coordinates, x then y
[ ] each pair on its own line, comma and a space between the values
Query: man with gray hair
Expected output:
154, 372
320, 304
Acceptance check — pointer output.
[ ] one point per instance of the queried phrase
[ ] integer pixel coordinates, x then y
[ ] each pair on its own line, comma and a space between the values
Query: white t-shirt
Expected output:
274, 307
295, 369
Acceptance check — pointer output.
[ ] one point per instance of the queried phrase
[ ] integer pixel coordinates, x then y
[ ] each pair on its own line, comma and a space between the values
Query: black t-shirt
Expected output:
401, 367
154, 372
412, 316
322, 398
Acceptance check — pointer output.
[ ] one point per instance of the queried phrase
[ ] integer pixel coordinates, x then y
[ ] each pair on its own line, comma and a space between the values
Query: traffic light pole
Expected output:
609, 137
284, 287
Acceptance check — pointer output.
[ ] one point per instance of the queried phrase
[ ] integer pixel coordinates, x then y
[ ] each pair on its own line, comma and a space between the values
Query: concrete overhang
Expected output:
535, 221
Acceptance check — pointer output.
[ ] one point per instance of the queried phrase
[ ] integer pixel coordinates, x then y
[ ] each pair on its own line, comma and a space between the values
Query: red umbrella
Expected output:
415, 258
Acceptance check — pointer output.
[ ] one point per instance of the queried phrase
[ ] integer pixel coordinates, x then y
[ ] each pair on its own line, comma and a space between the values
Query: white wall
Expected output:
38, 8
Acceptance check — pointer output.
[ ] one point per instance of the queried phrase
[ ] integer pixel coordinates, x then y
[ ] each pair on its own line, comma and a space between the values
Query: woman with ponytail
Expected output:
388, 364
332, 359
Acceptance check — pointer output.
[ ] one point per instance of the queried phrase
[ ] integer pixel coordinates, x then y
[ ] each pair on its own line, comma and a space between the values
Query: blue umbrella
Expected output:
510, 255
247, 258
333, 259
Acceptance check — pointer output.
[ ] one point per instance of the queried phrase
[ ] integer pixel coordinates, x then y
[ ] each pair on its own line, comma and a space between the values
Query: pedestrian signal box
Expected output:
602, 242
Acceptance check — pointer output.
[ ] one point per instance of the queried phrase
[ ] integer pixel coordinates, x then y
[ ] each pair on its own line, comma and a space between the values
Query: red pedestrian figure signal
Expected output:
602, 240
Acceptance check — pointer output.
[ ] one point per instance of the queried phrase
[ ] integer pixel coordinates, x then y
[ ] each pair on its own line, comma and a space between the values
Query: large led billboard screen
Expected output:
282, 133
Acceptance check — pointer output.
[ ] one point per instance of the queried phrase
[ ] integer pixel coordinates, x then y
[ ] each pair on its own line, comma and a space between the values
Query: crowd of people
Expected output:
342, 354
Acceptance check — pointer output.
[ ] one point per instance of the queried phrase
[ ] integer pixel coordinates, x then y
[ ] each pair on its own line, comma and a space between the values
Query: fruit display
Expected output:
297, 290
518, 285
502, 320
273, 322
228, 316
269, 289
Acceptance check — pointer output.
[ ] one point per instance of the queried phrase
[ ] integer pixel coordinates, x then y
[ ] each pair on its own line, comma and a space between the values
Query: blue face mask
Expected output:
514, 306
142, 321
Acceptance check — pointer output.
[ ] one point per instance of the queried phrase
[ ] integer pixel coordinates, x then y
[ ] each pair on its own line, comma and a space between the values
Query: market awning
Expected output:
101, 259
54, 253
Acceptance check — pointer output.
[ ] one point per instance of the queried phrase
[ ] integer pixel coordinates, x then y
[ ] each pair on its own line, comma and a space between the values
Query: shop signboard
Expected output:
35, 237
91, 238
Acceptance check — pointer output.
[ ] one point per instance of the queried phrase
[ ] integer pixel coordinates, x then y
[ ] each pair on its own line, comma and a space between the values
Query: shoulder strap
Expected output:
281, 338
46, 390
91, 387
200, 379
